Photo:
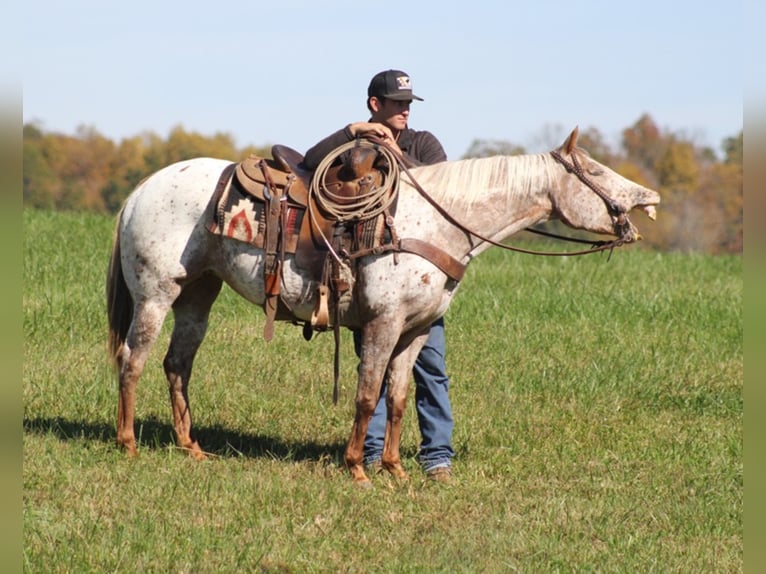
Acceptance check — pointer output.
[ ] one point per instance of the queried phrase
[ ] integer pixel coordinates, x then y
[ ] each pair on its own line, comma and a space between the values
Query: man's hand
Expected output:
382, 131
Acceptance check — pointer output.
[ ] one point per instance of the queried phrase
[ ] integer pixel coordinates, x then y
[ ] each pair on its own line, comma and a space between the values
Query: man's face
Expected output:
393, 113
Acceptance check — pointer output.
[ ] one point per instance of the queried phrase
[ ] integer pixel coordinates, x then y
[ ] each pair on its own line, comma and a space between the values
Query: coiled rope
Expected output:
364, 206
358, 208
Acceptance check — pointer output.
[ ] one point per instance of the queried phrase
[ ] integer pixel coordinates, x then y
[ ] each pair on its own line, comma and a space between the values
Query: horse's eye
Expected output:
596, 171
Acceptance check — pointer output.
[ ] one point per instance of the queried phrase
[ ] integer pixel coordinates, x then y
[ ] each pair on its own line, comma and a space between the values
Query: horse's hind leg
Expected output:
191, 311
148, 317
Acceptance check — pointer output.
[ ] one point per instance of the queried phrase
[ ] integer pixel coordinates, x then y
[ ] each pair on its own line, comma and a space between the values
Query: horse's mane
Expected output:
462, 181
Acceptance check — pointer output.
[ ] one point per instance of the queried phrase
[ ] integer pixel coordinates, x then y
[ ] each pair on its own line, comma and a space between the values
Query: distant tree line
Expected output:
88, 171
702, 199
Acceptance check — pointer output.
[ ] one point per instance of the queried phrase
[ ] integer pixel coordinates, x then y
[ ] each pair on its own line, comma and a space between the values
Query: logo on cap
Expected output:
403, 83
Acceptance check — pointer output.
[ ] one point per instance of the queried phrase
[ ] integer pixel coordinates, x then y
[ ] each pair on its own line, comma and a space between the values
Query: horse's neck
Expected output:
514, 180
492, 195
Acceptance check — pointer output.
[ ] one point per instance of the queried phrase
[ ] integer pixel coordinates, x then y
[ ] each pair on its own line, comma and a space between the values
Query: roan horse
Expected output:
165, 258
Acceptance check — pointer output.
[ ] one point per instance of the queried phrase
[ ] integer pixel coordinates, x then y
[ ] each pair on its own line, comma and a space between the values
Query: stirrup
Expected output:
320, 317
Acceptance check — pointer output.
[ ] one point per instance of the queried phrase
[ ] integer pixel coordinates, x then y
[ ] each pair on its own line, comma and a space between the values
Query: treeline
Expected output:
88, 171
702, 199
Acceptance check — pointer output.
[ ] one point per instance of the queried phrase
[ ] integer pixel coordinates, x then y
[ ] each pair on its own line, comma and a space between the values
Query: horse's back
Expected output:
182, 183
173, 197
162, 227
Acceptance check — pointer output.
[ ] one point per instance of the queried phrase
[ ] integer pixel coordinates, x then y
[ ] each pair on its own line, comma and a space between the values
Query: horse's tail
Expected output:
119, 303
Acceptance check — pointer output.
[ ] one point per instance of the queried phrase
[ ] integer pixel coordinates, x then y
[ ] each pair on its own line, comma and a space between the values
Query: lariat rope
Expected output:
358, 208
363, 206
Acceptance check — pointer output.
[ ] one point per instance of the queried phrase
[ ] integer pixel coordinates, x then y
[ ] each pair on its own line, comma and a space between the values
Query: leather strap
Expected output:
272, 268
224, 181
443, 260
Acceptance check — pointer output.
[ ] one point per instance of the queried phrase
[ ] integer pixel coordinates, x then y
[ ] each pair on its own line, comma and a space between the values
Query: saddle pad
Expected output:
240, 216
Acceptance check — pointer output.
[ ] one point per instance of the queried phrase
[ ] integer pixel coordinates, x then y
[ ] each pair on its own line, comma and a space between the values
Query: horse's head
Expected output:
591, 196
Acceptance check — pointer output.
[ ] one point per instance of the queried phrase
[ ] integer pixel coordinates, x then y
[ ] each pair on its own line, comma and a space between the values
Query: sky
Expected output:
293, 71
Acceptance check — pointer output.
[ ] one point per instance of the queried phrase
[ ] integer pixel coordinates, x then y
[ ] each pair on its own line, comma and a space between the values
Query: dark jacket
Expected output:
421, 147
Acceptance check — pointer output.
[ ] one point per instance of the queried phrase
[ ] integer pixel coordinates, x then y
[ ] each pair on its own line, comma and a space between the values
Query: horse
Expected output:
164, 257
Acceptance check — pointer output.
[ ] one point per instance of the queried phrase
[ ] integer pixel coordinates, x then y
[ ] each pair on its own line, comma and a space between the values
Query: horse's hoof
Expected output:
397, 471
197, 455
194, 451
359, 477
128, 448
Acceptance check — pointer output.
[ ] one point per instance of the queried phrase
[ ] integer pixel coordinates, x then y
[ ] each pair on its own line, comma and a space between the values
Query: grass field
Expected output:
598, 411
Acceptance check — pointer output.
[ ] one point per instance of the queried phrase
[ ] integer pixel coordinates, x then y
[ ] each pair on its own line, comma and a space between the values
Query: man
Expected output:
389, 96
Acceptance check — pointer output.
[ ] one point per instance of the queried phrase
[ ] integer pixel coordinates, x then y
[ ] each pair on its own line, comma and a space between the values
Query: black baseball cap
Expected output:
391, 84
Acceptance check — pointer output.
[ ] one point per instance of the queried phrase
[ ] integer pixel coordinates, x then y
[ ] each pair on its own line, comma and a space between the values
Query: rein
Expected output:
621, 224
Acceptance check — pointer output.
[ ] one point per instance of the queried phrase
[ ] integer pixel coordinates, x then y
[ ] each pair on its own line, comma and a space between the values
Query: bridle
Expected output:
620, 221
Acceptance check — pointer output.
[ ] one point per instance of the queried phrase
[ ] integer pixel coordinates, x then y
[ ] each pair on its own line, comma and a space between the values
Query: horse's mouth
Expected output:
629, 232
650, 211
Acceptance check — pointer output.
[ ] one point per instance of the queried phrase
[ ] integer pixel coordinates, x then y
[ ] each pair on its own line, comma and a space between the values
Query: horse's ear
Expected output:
571, 142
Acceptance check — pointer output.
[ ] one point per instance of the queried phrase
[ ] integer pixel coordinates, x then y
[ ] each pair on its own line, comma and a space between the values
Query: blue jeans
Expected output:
431, 402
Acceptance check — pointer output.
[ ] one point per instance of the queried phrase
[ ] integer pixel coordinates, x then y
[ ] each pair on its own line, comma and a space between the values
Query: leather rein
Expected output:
619, 216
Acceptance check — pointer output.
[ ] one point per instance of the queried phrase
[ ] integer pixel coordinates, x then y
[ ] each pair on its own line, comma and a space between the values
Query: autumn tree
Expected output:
677, 173
644, 146
186, 145
41, 184
721, 193
592, 140
128, 166
489, 148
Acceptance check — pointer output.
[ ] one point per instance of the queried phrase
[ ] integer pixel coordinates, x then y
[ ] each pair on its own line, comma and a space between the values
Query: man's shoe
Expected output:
440, 474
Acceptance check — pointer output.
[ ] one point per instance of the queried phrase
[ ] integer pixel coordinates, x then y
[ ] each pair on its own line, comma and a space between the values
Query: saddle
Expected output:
266, 202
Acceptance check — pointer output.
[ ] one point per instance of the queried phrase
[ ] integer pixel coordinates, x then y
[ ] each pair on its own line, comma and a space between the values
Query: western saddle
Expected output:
280, 189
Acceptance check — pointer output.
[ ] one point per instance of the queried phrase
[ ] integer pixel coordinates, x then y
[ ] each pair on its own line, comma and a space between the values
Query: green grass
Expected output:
598, 412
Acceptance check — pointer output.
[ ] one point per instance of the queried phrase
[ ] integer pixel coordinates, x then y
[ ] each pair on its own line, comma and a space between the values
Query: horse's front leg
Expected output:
378, 341
399, 373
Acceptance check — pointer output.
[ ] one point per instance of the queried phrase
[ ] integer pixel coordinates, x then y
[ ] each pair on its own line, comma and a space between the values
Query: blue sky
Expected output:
291, 71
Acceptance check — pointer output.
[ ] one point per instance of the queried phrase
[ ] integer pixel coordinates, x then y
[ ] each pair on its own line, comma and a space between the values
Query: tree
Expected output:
721, 191
128, 167
734, 150
183, 145
489, 148
643, 143
677, 168
41, 185
593, 141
